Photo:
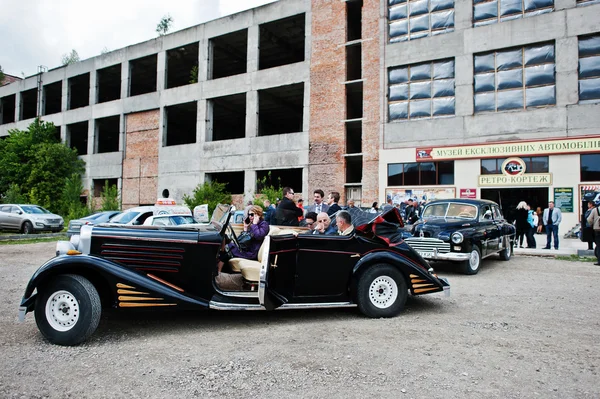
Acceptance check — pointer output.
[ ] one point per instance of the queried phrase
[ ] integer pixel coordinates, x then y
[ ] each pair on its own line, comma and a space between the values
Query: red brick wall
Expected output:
327, 98
372, 95
140, 166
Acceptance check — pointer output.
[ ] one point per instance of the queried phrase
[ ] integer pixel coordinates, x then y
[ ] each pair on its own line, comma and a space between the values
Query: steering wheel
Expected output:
465, 215
233, 235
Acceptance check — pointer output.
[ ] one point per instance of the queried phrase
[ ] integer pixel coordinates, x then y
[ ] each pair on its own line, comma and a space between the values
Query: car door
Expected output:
490, 230
15, 217
324, 267
4, 213
499, 221
276, 285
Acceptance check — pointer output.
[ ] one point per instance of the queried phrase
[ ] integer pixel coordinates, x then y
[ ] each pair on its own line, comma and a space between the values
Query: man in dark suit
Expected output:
287, 212
332, 201
319, 206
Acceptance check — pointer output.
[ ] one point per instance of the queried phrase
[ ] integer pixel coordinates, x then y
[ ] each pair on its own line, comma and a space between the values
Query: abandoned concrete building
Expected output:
374, 99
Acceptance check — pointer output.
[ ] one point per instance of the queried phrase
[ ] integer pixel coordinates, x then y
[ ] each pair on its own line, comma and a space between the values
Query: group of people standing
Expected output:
528, 222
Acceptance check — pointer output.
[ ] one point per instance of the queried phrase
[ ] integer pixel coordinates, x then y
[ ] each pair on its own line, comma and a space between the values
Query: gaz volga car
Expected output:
463, 231
150, 267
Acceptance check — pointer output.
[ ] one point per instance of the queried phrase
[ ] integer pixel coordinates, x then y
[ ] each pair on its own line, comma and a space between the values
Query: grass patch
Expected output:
32, 240
575, 258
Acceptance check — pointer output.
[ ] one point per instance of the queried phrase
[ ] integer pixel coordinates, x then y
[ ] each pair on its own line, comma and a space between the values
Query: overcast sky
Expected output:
39, 32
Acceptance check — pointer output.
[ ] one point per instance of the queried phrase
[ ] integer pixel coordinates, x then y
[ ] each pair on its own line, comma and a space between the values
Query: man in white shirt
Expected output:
319, 206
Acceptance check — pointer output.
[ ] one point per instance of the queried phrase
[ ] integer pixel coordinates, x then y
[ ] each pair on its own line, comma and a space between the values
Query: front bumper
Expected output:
448, 256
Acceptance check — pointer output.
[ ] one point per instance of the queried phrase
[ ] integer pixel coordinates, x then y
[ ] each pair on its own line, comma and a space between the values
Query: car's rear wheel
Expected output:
471, 265
506, 253
27, 228
67, 310
381, 291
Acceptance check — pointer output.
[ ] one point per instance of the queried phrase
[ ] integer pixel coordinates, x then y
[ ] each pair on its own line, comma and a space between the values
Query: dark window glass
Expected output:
411, 174
428, 173
590, 167
421, 174
395, 174
537, 165
446, 172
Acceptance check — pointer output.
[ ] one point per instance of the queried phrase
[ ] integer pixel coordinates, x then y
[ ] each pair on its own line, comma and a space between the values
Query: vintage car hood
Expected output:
434, 226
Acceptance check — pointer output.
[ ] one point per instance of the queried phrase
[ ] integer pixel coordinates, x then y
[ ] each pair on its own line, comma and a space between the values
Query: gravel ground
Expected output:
528, 328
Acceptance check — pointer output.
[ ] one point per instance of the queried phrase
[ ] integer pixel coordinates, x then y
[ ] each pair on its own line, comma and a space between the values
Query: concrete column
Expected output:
463, 80
161, 69
91, 145
64, 103
18, 101
252, 113
201, 122
249, 185
567, 62
463, 15
93, 87
202, 60
125, 72
253, 50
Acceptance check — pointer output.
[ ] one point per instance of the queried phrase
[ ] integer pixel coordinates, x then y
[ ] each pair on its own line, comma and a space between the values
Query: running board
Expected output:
324, 305
234, 306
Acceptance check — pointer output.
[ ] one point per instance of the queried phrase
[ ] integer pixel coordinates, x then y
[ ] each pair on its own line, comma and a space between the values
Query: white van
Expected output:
138, 215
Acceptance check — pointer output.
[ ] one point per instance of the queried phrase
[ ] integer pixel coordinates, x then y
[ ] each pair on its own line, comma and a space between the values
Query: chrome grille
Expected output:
53, 221
426, 244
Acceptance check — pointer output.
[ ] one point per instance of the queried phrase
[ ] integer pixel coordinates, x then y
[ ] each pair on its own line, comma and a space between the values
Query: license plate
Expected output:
426, 254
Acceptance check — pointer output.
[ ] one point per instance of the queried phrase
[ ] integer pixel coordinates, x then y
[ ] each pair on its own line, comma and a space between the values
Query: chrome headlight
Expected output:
457, 238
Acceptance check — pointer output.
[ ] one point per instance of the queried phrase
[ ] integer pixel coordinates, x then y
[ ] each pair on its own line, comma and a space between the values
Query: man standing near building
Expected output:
593, 220
287, 212
319, 206
332, 201
552, 218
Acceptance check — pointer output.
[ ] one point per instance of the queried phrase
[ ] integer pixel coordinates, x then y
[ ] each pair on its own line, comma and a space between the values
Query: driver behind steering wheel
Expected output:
258, 229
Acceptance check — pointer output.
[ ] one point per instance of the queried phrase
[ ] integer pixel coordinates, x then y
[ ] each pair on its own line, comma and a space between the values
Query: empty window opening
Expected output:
280, 109
180, 123
229, 54
52, 98
282, 42
234, 181
28, 104
77, 137
182, 65
7, 109
109, 83
280, 178
353, 62
354, 15
107, 134
353, 137
142, 75
354, 100
228, 117
354, 169
79, 91
101, 184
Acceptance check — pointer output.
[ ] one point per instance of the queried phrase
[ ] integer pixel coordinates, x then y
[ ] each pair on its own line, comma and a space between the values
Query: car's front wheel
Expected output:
471, 265
67, 310
381, 291
27, 228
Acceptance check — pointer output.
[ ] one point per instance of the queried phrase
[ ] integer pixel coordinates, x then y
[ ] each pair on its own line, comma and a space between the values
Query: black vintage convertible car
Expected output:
463, 231
149, 267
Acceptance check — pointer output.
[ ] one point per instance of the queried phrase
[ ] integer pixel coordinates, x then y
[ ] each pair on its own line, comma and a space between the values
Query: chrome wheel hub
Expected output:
383, 292
62, 311
474, 260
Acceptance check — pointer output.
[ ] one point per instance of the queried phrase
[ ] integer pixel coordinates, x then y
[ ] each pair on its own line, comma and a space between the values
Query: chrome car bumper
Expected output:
449, 256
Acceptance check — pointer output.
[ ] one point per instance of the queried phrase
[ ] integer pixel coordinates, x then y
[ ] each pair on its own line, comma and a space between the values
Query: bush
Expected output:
266, 190
71, 205
13, 195
211, 193
110, 198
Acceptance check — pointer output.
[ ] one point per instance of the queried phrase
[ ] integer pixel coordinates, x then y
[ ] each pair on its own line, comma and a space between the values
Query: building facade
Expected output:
374, 99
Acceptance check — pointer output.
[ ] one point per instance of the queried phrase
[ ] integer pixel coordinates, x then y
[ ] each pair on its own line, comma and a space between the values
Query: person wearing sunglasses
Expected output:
254, 226
287, 212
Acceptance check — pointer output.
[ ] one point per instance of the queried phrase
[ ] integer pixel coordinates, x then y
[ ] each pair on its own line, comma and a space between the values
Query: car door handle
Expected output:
355, 256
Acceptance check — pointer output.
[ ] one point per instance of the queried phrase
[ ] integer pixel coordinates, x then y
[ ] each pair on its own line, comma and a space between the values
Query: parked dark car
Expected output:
463, 231
96, 218
149, 267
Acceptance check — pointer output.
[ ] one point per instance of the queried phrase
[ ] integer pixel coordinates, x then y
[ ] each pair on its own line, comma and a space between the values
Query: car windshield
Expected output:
94, 216
124, 217
182, 220
450, 210
33, 209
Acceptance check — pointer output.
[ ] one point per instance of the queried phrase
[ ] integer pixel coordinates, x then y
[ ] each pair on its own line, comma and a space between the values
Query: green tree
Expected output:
110, 198
211, 193
71, 58
2, 76
266, 190
36, 161
13, 195
194, 74
163, 27
72, 207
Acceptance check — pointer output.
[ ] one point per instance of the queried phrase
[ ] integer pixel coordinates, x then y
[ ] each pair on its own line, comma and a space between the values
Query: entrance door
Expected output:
509, 198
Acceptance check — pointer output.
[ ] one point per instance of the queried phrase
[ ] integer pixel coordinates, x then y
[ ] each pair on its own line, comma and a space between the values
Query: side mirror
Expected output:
19, 212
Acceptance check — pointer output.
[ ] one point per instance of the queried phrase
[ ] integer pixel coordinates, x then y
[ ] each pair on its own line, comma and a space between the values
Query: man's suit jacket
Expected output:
313, 208
333, 209
556, 216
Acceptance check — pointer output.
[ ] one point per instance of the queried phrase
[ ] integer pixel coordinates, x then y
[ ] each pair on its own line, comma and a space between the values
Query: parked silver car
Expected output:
29, 219
96, 218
